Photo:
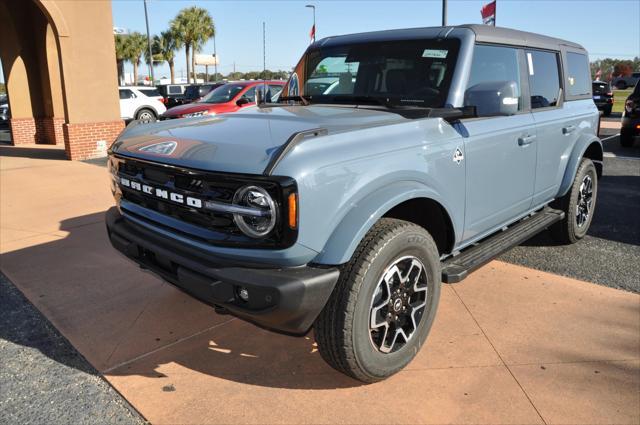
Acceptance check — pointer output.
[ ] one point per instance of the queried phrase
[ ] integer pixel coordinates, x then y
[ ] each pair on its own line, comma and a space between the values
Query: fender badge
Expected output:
457, 156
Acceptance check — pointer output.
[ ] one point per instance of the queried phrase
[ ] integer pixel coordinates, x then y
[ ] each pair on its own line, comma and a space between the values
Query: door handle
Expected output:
526, 140
568, 129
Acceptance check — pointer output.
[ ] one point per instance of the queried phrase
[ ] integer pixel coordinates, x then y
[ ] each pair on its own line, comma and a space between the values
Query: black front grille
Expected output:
217, 228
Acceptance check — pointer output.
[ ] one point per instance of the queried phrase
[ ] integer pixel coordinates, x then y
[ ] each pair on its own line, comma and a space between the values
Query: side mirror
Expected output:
242, 101
493, 98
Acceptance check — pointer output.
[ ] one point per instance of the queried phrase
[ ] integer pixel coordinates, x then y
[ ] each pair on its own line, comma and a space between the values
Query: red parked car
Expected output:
227, 98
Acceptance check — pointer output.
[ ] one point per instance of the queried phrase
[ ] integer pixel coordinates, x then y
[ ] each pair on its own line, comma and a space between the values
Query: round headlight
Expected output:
259, 200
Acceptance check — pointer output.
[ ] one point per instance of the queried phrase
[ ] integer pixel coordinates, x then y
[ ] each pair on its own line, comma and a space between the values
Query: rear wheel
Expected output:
578, 205
146, 115
384, 303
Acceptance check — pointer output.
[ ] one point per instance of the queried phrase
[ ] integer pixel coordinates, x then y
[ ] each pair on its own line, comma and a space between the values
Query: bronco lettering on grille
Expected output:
176, 197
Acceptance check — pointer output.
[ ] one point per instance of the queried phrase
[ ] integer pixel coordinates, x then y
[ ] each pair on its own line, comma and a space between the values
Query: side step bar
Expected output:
456, 268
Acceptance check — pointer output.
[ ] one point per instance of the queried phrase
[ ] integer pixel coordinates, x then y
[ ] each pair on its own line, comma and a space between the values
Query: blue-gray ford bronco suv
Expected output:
392, 161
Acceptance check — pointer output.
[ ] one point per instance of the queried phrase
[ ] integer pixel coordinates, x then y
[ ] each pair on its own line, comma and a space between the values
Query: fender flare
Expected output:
365, 213
584, 143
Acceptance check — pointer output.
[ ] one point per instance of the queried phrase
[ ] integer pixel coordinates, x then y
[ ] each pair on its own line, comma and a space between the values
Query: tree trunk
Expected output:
193, 65
172, 71
120, 72
186, 49
135, 73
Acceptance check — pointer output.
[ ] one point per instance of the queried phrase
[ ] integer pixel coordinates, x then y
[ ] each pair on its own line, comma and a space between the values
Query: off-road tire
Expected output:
626, 138
607, 111
567, 231
342, 328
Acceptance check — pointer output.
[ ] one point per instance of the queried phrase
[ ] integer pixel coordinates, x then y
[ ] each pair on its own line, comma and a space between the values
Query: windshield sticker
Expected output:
434, 53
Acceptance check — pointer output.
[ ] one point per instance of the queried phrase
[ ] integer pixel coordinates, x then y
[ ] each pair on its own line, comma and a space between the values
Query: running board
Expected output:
458, 267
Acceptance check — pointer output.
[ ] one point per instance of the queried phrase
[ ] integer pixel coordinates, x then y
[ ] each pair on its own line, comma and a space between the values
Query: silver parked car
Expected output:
393, 161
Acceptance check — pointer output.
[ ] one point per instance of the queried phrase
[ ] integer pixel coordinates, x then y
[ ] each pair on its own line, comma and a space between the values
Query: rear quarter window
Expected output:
578, 77
150, 92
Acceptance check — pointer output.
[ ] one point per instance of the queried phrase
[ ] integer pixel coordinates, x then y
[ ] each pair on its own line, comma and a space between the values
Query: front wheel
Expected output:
578, 205
384, 303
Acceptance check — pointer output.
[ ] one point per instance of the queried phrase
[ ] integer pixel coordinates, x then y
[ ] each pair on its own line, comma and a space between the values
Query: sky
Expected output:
606, 28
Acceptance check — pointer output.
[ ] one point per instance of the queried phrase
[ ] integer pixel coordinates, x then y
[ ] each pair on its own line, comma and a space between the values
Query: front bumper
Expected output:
282, 299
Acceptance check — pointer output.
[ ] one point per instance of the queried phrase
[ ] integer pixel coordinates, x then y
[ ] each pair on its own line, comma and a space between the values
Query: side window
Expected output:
578, 78
544, 78
250, 94
493, 68
126, 94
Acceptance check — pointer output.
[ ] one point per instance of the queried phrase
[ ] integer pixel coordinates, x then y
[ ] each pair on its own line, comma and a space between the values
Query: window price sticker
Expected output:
433, 53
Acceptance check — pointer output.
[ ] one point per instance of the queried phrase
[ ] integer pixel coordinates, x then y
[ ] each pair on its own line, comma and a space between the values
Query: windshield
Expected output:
405, 72
223, 94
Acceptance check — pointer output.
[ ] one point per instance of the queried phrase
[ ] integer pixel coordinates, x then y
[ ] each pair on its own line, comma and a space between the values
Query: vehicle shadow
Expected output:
126, 322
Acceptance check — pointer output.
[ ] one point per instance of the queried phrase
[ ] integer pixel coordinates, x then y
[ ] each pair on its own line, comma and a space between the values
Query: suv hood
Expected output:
243, 142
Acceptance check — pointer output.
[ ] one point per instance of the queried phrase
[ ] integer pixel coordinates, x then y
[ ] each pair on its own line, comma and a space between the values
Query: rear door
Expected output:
500, 151
556, 124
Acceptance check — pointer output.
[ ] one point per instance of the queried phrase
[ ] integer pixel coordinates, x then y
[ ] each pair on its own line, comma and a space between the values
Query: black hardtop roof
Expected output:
483, 33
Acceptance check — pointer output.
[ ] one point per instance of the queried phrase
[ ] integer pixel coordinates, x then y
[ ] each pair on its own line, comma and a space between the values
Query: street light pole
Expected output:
444, 13
314, 20
146, 18
215, 53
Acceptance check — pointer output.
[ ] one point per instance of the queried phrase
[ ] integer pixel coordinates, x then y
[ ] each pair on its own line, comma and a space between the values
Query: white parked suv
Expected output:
135, 103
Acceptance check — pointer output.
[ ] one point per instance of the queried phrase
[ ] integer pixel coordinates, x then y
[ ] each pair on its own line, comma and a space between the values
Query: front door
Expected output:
500, 151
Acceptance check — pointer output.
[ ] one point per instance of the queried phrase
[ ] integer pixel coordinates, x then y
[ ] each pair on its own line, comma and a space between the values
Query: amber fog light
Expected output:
258, 217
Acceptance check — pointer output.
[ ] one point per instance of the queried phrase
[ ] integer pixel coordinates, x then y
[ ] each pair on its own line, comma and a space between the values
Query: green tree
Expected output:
136, 45
194, 27
164, 48
122, 46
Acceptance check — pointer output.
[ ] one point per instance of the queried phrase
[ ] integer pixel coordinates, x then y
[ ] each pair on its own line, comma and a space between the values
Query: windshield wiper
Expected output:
382, 101
302, 99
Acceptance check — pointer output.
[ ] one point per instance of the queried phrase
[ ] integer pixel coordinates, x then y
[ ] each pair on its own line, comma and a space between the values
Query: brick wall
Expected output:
90, 140
49, 131
23, 131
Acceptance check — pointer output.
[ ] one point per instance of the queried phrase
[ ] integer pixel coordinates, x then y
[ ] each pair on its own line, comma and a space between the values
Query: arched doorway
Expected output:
59, 66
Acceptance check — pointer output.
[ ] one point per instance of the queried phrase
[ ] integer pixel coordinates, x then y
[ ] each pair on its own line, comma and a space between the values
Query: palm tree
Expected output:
164, 48
193, 26
121, 55
137, 44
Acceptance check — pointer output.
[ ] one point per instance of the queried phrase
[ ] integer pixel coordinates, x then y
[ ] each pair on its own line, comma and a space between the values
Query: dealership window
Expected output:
495, 64
544, 78
578, 78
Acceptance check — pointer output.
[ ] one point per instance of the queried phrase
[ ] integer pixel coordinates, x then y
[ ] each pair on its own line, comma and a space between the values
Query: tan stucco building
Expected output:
59, 64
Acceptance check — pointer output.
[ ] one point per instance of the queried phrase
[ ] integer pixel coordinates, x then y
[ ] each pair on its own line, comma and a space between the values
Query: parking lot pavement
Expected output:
610, 253
43, 378
509, 345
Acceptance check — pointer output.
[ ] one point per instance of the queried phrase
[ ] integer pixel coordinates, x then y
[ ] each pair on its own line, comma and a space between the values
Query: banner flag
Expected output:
488, 13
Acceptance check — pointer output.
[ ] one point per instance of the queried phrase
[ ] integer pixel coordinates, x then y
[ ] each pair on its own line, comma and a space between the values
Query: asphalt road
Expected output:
610, 253
43, 379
